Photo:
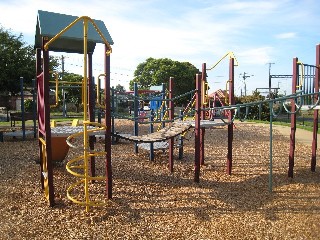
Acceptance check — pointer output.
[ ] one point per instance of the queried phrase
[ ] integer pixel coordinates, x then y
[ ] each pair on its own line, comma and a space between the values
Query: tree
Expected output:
254, 110
119, 88
17, 59
73, 91
154, 72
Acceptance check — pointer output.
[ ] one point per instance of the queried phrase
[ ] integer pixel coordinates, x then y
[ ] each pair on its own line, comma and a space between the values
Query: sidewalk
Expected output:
302, 136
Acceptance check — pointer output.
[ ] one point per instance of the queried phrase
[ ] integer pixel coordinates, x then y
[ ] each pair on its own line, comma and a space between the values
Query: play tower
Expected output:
70, 34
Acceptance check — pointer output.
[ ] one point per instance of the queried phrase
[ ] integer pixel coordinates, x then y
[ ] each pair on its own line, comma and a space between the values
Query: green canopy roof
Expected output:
49, 24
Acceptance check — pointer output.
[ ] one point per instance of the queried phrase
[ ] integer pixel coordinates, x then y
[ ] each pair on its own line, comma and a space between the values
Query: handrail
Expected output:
205, 96
98, 100
292, 96
227, 91
57, 82
56, 77
302, 75
85, 18
227, 54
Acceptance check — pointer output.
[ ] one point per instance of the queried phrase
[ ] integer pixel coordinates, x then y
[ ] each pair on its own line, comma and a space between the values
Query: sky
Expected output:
263, 35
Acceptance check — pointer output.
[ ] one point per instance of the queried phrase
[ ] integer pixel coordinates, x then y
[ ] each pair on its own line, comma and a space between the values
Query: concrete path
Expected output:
302, 136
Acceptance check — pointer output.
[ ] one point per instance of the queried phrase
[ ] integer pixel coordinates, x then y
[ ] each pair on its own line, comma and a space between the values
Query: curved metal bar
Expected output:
314, 105
275, 115
100, 127
246, 115
232, 120
298, 107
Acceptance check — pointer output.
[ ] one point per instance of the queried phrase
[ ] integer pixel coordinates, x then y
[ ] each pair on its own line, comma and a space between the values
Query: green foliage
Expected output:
16, 60
120, 88
154, 72
54, 63
73, 91
254, 110
28, 105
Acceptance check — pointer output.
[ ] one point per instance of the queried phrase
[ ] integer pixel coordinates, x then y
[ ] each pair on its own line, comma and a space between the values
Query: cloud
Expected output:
194, 31
250, 7
287, 35
256, 56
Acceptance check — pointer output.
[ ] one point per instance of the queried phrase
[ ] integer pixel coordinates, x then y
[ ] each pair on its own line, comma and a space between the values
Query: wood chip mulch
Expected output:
149, 202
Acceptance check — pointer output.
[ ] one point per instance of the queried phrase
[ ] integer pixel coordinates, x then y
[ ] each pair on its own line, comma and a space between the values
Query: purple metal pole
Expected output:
197, 130
108, 124
230, 116
171, 117
38, 72
203, 114
293, 118
315, 112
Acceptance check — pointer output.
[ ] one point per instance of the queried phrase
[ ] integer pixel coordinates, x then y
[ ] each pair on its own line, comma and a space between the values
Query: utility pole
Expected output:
244, 81
62, 64
270, 63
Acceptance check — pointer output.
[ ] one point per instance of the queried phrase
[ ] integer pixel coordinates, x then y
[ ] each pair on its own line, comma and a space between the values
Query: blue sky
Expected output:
199, 31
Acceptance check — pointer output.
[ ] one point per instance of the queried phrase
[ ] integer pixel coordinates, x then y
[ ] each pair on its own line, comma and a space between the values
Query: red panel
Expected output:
40, 104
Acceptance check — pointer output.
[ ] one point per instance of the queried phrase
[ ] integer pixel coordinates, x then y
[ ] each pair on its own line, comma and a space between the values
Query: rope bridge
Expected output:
164, 134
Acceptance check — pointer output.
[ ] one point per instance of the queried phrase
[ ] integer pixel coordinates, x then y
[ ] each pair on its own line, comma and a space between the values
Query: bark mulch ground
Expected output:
149, 202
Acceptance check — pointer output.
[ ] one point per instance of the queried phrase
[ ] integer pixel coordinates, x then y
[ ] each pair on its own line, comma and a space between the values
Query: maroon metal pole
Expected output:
230, 116
315, 112
108, 124
197, 130
91, 98
46, 78
293, 118
38, 72
171, 117
203, 113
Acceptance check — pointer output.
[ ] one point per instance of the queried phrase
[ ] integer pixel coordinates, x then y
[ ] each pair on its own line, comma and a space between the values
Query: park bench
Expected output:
17, 116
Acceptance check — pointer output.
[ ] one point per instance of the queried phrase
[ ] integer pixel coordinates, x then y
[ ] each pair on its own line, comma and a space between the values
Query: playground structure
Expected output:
199, 123
305, 94
305, 79
74, 35
47, 138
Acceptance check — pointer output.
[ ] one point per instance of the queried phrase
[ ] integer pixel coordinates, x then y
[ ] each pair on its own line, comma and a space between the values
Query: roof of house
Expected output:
49, 24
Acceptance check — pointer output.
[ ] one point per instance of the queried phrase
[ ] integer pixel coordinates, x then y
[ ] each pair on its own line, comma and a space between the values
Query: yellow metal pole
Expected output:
85, 133
302, 77
98, 88
86, 154
227, 54
85, 19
